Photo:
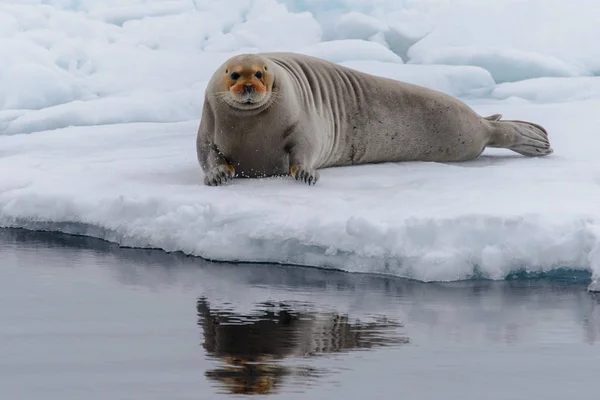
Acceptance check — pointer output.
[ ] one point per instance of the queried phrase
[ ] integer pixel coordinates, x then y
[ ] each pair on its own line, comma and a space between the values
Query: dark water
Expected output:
85, 319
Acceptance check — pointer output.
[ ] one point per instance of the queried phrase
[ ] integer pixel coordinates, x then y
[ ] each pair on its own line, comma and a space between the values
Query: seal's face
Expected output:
247, 82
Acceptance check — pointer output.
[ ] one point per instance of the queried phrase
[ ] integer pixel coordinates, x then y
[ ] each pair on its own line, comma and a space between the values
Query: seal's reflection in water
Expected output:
251, 346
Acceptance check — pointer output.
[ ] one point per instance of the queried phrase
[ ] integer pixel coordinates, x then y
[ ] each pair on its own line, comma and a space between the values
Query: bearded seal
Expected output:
273, 114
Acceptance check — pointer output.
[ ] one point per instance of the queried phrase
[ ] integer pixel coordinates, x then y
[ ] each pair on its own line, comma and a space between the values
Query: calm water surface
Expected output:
85, 319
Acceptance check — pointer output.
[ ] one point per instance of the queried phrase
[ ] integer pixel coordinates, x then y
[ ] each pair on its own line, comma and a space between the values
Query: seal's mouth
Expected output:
249, 99
246, 100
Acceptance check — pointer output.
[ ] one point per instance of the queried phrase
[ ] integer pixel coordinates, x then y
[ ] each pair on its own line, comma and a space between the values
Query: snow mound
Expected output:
338, 17
268, 26
351, 49
540, 36
550, 90
119, 14
29, 78
32, 86
8, 25
145, 106
505, 65
355, 25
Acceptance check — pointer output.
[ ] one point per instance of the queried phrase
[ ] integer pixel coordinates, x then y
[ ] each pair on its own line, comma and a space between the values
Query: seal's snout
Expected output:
248, 91
245, 88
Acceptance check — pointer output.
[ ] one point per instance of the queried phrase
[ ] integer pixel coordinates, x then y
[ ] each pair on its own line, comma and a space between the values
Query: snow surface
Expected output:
100, 102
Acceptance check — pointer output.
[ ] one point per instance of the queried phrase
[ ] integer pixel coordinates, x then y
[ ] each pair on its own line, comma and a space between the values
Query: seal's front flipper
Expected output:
300, 153
523, 137
304, 174
219, 175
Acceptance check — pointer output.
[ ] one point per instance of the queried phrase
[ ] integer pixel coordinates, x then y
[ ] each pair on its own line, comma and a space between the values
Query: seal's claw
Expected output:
302, 173
219, 175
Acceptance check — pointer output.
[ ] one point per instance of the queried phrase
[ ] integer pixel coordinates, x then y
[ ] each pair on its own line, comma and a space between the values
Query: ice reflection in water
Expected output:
250, 347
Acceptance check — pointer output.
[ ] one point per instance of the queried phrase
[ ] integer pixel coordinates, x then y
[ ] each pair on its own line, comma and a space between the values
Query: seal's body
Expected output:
284, 113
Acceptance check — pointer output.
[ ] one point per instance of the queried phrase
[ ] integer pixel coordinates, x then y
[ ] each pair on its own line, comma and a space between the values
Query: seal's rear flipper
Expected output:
523, 137
532, 139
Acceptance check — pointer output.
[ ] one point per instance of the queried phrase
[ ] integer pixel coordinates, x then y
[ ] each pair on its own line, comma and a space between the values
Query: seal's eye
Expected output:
235, 76
258, 75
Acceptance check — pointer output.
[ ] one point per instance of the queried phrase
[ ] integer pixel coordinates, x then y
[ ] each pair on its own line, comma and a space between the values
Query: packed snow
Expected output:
100, 101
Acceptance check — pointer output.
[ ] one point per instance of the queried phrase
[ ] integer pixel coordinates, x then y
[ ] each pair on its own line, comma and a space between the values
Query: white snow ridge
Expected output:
100, 101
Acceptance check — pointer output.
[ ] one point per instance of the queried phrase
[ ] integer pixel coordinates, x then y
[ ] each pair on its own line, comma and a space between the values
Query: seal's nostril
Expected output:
248, 89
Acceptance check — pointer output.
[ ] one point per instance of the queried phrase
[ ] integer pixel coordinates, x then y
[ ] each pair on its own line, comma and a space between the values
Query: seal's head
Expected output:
246, 82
